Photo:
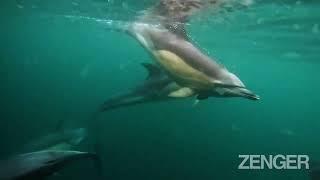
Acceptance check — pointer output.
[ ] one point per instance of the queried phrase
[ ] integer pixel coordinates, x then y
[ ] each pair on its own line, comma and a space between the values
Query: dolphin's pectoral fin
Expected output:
202, 96
153, 70
182, 92
196, 102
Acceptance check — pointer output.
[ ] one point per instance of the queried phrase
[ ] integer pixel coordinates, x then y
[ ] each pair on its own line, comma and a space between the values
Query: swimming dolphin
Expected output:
161, 31
39, 165
60, 140
156, 87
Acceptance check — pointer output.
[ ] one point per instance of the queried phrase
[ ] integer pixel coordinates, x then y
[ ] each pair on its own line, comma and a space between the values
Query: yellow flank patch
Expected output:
184, 74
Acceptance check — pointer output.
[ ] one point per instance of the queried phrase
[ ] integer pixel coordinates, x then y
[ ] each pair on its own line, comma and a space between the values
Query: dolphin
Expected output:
161, 31
60, 140
156, 87
39, 165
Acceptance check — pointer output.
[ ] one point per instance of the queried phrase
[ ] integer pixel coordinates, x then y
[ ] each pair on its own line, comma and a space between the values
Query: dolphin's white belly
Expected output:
140, 31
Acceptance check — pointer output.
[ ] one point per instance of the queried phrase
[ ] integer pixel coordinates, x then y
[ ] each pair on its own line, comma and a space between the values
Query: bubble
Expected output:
287, 132
315, 28
260, 20
20, 6
75, 3
85, 71
125, 5
296, 27
247, 2
235, 127
122, 66
292, 55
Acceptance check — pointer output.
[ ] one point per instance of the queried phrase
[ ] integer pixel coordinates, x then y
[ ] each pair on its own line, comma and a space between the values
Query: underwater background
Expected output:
59, 60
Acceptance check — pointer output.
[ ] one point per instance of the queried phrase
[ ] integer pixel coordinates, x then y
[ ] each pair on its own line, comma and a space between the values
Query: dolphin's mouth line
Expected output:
236, 92
250, 95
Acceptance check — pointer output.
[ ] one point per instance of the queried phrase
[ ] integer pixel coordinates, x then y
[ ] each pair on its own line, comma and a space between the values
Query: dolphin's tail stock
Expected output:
125, 100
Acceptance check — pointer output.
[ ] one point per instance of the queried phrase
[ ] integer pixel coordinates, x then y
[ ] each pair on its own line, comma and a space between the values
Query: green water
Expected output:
54, 67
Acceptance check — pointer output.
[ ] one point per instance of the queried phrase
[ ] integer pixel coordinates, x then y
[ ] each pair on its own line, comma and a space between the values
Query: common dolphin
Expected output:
60, 140
156, 87
161, 31
39, 165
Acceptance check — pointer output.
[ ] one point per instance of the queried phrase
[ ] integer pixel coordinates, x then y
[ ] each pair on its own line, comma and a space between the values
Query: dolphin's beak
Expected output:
247, 94
238, 92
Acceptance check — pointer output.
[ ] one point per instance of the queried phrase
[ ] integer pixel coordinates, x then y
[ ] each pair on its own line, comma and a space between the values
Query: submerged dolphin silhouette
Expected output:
156, 87
162, 33
39, 165
60, 140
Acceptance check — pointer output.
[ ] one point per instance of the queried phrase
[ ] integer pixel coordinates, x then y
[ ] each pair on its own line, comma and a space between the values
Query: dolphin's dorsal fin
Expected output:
178, 29
153, 70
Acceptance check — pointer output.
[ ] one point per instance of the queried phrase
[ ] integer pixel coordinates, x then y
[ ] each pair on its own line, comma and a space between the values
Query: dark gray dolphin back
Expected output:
39, 165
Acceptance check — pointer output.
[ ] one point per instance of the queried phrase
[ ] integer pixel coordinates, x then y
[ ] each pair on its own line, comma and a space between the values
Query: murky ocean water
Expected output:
59, 60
